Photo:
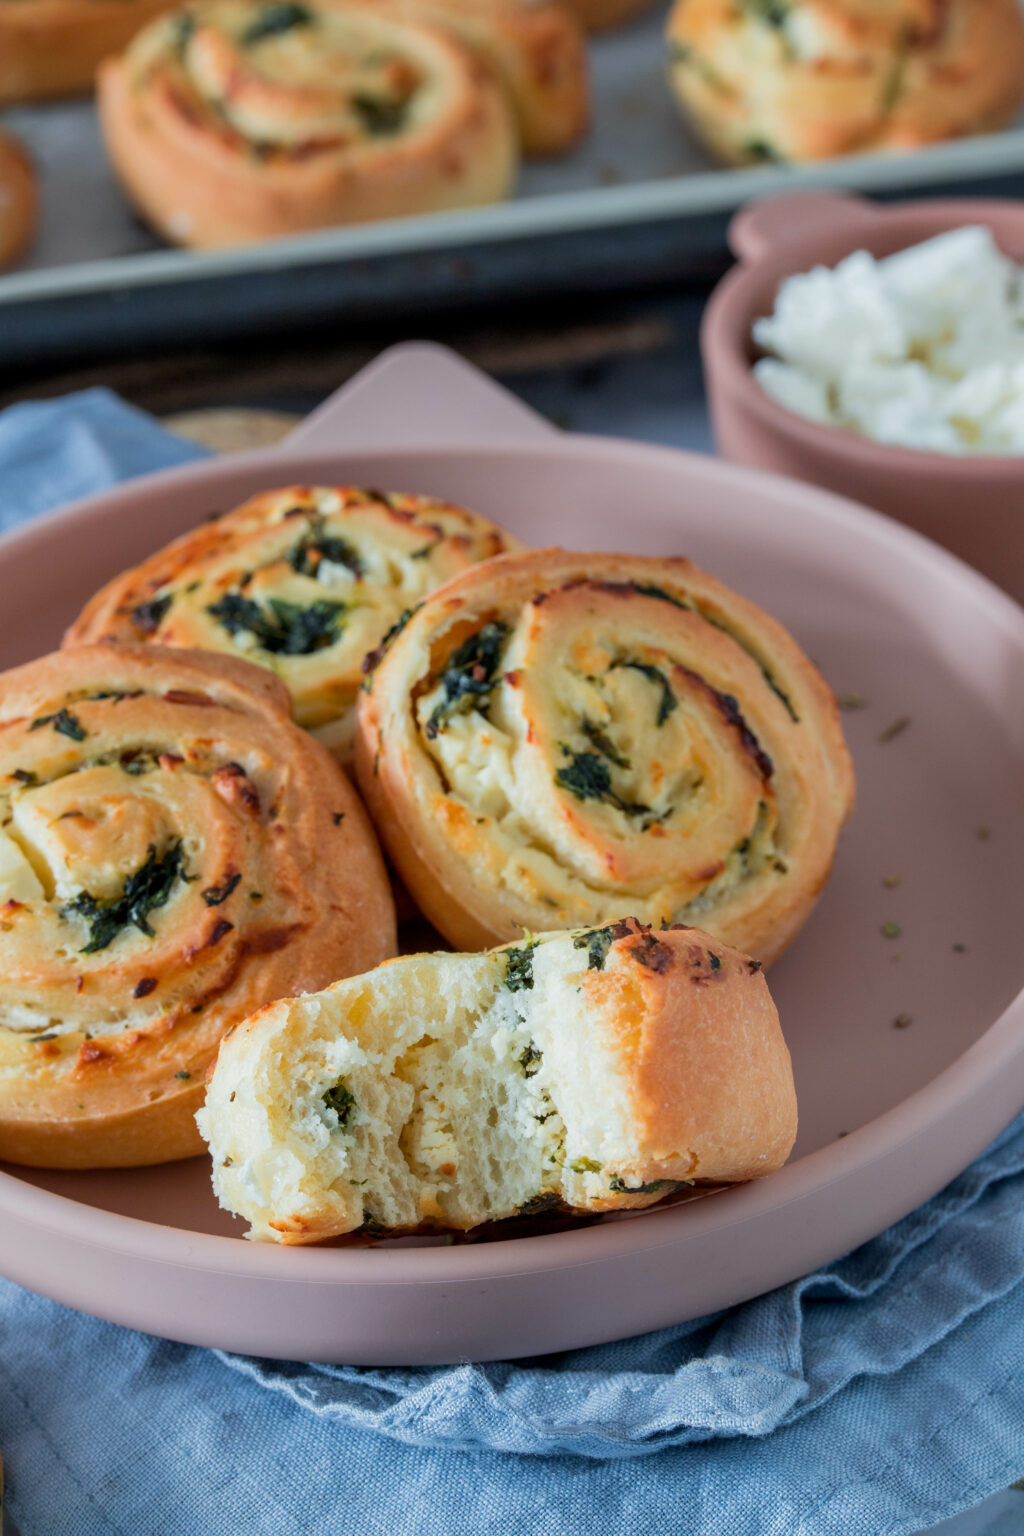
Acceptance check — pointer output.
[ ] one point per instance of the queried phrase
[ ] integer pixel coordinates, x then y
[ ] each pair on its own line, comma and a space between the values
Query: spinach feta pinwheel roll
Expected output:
304, 580
240, 120
556, 738
174, 852
809, 79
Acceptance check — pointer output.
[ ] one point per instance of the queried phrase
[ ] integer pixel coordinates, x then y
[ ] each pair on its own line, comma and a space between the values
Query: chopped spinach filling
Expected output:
658, 1187
668, 701
773, 13
471, 672
530, 1059
381, 116
63, 722
519, 967
147, 617
316, 546
287, 629
274, 19
604, 744
539, 1205
598, 941
760, 149
143, 892
183, 27
341, 1101
588, 778
373, 658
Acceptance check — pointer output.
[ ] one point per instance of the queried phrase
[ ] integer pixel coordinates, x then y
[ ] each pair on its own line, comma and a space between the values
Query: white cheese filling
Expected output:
924, 349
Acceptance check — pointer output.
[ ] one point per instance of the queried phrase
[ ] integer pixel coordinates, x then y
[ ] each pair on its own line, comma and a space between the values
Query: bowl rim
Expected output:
725, 335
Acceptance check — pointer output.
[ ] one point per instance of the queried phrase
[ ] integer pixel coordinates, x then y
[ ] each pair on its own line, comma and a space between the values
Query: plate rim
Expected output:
985, 1061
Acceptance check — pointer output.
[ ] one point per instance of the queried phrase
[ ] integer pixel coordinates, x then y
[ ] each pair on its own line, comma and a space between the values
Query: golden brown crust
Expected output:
537, 51
52, 48
695, 1028
810, 79
628, 734
19, 200
359, 558
174, 852
224, 132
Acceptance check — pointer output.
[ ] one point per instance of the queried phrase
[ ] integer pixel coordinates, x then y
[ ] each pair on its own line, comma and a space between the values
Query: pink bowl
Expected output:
974, 506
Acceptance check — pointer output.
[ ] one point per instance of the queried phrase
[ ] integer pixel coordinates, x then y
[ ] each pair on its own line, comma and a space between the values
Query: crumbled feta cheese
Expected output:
924, 349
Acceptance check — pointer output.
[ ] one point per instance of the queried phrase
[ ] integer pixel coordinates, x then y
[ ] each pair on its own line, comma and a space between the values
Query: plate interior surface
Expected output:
930, 658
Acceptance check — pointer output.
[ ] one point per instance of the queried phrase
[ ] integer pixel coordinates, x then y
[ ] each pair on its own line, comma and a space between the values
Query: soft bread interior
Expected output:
430, 1091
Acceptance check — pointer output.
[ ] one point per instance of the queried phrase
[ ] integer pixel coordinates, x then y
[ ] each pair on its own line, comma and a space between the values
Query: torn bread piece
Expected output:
594, 1070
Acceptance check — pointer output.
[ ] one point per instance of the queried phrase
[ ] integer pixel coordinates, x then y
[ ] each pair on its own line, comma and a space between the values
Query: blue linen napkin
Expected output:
873, 1398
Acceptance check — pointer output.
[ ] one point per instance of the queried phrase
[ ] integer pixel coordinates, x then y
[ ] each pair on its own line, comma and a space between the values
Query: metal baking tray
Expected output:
640, 201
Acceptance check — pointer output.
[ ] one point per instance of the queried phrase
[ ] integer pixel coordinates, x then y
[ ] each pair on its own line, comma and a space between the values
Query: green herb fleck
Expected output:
852, 701
585, 1165
341, 1101
471, 672
274, 19
23, 776
64, 722
147, 889
891, 930
519, 967
183, 1076
716, 964
895, 729
288, 629
902, 1021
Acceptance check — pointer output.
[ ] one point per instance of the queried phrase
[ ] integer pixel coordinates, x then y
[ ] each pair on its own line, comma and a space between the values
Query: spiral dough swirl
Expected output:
555, 739
174, 853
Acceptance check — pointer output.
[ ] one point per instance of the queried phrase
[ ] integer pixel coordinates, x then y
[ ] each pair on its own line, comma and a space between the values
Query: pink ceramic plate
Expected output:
888, 1114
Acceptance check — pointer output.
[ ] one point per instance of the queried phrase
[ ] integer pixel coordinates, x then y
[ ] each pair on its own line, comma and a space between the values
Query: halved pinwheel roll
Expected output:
555, 738
578, 1072
174, 852
234, 121
305, 580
